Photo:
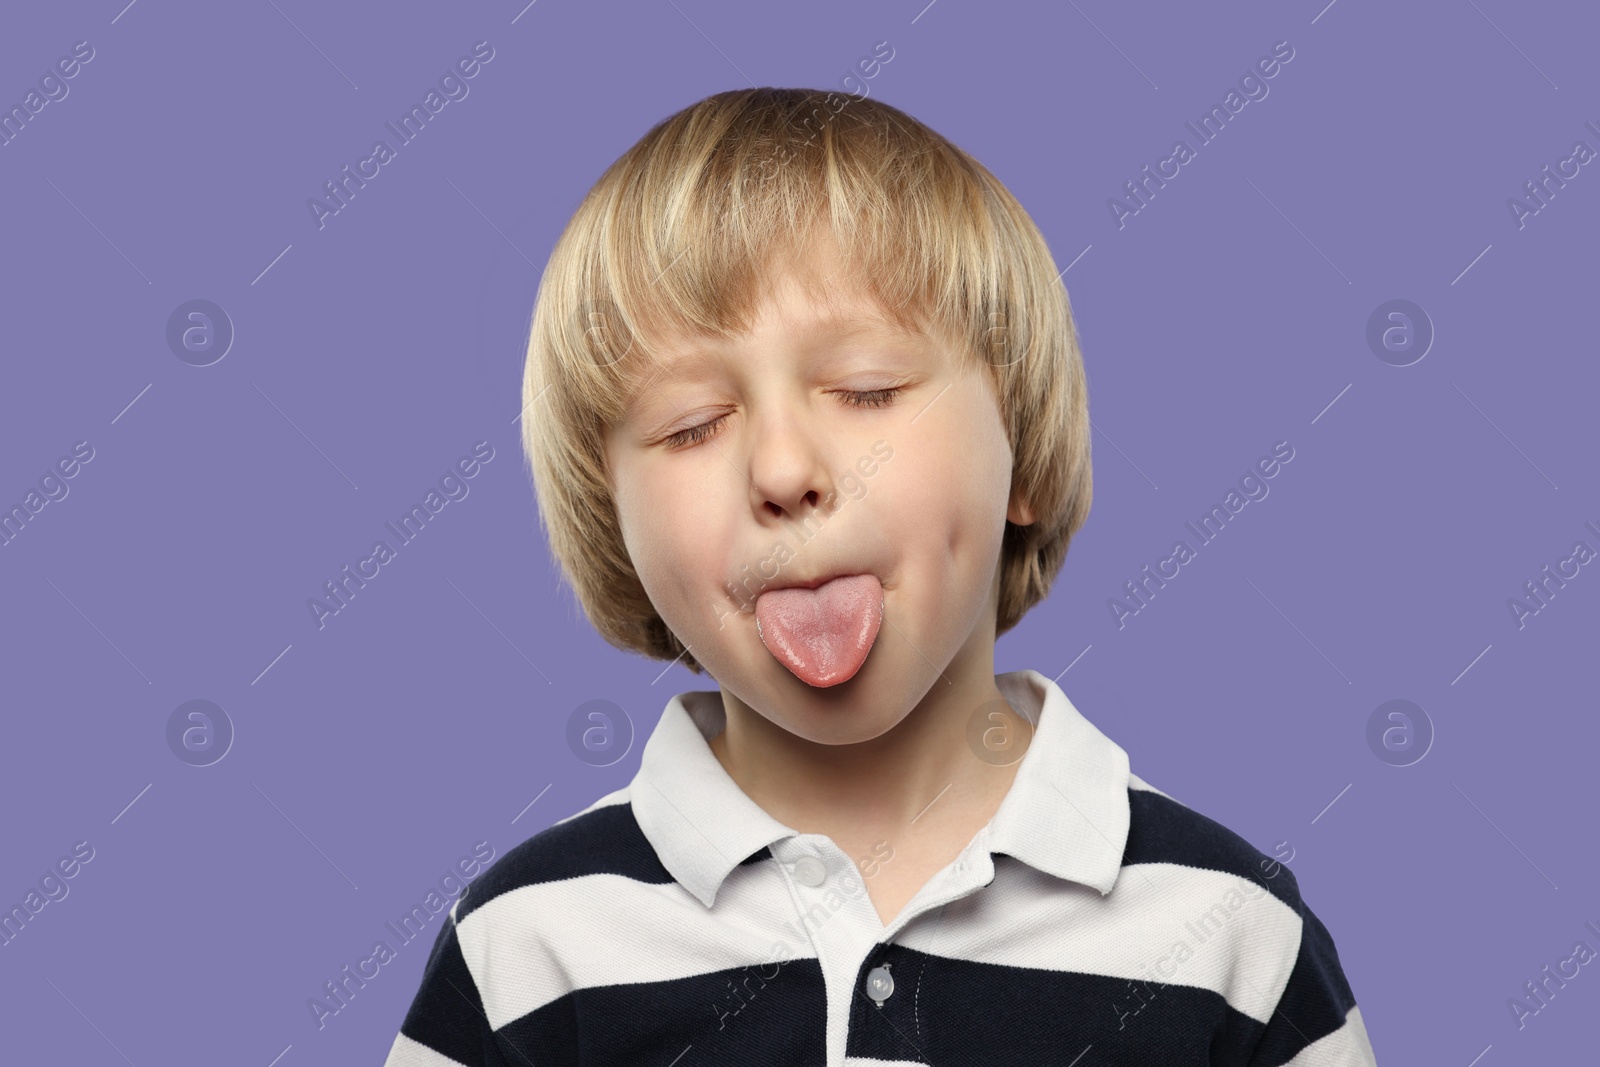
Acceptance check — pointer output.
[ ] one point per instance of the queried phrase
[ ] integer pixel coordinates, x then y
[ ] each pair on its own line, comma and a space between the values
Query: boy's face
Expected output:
796, 483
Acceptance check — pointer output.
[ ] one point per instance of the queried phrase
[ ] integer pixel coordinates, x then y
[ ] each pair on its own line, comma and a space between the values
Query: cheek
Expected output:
652, 529
645, 522
674, 538
957, 471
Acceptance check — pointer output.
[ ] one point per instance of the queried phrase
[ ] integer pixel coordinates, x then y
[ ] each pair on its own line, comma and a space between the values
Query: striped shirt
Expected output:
1093, 920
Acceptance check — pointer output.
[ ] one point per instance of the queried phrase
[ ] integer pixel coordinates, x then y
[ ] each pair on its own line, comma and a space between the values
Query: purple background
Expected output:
1226, 316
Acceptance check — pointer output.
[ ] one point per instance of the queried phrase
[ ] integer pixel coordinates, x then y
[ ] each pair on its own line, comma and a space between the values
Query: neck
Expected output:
923, 772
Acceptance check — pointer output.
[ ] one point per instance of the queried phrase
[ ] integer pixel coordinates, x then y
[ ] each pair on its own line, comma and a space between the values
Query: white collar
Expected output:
1066, 812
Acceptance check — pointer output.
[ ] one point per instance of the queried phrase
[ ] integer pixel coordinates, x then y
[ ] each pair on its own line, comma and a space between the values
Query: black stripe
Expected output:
604, 841
772, 1016
945, 1010
942, 1010
1163, 831
607, 840
447, 1012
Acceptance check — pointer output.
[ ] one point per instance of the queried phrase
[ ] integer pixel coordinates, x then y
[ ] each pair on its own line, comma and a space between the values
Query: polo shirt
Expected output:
1092, 920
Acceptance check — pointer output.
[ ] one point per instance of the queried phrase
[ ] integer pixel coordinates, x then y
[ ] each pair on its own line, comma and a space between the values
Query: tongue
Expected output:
822, 635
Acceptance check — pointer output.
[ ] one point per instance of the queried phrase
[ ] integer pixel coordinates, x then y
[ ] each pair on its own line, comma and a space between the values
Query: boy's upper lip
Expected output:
808, 583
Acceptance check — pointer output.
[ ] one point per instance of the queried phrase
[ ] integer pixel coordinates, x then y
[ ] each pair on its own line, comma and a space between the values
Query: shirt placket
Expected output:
855, 951
890, 979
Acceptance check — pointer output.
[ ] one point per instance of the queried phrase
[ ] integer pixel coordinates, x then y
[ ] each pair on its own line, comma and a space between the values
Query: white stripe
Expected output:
620, 796
1345, 1047
533, 945
408, 1053
1242, 946
1166, 923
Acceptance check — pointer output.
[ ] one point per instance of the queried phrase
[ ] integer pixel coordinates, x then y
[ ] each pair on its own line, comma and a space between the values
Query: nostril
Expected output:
808, 502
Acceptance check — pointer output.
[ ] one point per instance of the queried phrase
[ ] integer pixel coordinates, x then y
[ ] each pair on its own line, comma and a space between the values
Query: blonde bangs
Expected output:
679, 238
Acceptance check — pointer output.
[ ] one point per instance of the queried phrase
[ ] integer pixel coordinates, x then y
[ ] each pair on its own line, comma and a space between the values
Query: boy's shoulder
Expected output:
1163, 830
1276, 952
602, 838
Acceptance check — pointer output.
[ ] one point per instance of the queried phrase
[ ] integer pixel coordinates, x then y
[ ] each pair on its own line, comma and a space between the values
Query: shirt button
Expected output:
880, 983
808, 870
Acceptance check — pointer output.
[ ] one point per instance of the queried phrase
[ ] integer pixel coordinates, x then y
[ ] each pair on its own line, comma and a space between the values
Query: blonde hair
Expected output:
676, 238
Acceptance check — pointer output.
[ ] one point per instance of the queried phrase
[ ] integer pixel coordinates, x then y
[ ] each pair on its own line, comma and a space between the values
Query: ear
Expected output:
1020, 512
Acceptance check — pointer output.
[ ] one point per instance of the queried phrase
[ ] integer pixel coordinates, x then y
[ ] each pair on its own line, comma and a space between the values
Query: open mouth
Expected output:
823, 635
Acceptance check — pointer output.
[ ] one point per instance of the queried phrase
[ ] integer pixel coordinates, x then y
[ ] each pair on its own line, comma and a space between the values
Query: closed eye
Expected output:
871, 398
856, 398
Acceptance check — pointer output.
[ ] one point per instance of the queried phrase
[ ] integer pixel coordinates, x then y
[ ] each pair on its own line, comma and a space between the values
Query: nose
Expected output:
788, 469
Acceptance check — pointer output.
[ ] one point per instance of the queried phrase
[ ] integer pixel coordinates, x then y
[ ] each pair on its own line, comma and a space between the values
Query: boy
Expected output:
806, 411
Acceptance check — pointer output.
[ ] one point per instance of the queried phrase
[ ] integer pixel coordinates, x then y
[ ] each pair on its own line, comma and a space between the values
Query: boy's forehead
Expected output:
682, 357
837, 329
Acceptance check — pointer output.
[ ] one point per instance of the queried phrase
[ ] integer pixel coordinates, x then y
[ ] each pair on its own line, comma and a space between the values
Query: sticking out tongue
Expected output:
822, 635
